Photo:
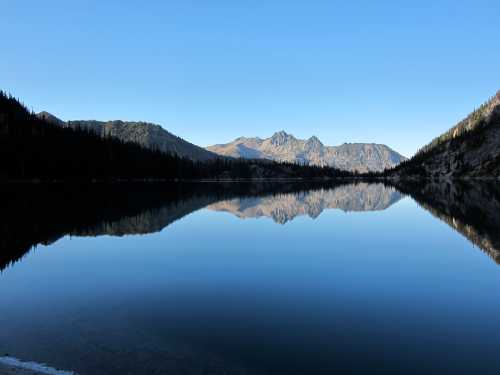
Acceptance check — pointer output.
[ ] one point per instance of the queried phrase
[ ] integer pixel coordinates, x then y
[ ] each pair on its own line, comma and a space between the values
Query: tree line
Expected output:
32, 148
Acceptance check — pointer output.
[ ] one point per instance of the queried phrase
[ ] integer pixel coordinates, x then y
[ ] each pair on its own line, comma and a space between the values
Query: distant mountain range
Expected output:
361, 157
148, 135
45, 147
469, 149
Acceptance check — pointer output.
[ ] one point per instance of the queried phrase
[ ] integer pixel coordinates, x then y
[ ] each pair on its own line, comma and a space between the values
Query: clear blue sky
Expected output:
393, 72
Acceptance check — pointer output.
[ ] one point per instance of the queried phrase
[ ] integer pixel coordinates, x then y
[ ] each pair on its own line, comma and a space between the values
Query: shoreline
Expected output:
179, 181
13, 366
250, 180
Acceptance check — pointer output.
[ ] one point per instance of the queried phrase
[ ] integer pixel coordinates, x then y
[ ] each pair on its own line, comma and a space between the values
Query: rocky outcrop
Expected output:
361, 157
471, 149
283, 208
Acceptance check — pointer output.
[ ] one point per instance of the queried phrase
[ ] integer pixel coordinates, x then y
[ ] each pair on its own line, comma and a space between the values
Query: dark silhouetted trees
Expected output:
34, 149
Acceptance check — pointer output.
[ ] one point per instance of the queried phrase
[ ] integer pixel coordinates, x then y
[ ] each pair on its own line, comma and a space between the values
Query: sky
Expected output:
392, 72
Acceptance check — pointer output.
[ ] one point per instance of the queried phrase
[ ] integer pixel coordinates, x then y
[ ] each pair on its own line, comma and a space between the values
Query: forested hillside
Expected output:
469, 149
32, 148
148, 135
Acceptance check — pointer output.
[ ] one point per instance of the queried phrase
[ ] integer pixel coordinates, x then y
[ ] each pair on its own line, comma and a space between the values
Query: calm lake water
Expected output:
240, 279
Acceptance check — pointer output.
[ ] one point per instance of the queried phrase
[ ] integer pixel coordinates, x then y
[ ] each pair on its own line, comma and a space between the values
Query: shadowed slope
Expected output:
469, 149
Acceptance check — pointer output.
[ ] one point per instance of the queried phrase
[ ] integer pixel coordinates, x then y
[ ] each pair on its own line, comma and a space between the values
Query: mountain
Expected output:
50, 118
40, 148
283, 208
361, 157
147, 135
469, 149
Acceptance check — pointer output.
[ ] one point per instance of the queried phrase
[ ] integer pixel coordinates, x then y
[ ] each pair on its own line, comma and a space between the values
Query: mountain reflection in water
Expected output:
356, 278
471, 208
42, 214
285, 207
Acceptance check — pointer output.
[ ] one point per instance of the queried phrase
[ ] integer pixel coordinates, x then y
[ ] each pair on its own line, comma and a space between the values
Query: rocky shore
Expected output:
13, 366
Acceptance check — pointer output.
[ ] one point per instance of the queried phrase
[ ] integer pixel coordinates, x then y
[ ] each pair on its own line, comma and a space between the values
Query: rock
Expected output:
281, 146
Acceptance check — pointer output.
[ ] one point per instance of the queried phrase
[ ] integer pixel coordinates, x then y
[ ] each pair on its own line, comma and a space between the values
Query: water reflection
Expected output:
471, 208
283, 208
42, 214
344, 293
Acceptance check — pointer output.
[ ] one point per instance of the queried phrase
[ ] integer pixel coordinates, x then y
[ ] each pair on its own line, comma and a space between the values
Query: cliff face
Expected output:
148, 135
362, 157
283, 208
469, 149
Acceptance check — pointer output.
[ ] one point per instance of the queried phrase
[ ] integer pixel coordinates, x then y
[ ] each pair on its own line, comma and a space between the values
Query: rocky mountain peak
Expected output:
314, 141
280, 138
282, 146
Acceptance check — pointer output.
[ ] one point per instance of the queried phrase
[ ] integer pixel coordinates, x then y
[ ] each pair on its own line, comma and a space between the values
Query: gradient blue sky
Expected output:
393, 72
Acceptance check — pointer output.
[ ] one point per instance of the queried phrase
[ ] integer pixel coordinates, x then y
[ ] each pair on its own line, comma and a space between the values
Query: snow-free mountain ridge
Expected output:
281, 146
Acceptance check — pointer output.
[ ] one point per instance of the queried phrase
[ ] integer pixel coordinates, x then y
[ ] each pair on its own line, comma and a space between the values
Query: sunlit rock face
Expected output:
283, 208
281, 146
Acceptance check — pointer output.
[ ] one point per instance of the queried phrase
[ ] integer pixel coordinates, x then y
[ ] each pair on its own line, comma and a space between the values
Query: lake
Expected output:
237, 278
